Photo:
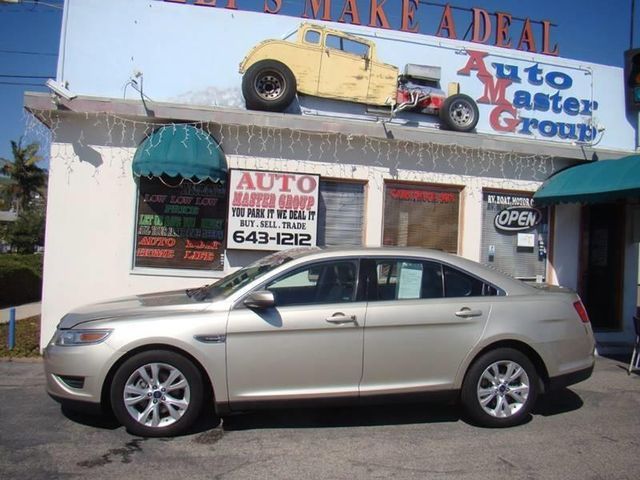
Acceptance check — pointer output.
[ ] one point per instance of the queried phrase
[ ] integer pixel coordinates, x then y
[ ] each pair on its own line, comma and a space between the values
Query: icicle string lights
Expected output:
337, 155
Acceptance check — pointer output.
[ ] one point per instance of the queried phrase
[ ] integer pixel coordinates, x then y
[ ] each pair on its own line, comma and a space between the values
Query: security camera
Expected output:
60, 90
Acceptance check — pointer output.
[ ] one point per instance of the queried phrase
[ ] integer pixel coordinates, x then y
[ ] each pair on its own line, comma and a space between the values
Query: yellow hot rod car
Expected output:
333, 64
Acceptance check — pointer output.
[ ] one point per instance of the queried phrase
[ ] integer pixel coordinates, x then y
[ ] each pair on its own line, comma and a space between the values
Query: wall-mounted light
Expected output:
60, 90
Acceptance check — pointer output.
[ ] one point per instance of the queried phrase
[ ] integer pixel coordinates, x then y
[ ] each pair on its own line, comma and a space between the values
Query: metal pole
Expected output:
633, 12
12, 327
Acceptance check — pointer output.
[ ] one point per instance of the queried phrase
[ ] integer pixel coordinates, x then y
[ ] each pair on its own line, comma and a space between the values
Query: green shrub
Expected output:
20, 279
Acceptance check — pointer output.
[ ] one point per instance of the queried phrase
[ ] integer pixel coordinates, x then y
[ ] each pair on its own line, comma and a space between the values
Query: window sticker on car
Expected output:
410, 280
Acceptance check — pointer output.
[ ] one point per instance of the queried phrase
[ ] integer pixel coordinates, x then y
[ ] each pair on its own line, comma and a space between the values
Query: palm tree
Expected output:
26, 178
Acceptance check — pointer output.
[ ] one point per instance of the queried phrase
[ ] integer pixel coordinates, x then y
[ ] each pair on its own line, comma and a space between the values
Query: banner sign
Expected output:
406, 16
327, 65
272, 210
180, 227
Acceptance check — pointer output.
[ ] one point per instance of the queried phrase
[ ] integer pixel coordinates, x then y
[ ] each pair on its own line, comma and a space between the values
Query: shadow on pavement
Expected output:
398, 414
558, 402
91, 419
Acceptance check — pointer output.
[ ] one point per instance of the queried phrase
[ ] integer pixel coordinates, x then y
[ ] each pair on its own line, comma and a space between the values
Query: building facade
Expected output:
161, 178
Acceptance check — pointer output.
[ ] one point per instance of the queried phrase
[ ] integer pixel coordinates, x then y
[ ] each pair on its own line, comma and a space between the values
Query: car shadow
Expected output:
331, 417
95, 419
550, 404
558, 402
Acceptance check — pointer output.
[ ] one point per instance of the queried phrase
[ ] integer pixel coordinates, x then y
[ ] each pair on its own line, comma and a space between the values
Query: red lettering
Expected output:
246, 182
197, 255
310, 184
351, 9
475, 62
546, 31
409, 8
261, 183
502, 30
481, 22
494, 90
285, 181
378, 15
502, 124
527, 37
315, 9
272, 9
212, 3
154, 253
447, 23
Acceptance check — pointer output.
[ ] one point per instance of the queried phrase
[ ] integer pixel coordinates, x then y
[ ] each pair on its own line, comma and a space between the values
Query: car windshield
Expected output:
230, 284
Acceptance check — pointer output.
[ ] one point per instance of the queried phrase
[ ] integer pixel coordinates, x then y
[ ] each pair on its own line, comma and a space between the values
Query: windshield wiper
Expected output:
195, 292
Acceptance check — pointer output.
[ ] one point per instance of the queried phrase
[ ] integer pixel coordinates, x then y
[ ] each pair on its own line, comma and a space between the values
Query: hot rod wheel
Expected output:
459, 112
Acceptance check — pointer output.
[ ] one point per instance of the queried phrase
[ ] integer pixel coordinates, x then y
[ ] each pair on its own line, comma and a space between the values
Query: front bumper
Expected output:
77, 373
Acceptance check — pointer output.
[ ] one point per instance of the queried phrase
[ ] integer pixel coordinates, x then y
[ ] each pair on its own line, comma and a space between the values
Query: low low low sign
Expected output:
272, 210
180, 227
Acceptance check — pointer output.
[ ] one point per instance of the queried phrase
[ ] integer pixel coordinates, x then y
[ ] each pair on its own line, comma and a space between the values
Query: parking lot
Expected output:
590, 431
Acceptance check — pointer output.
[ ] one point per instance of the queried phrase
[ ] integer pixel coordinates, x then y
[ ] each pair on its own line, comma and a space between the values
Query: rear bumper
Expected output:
561, 381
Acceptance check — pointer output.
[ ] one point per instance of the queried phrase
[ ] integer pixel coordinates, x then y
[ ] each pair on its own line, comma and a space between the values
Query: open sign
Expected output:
517, 219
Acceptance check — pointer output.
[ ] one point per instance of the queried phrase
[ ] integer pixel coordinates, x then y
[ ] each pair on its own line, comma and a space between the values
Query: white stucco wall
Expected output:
92, 207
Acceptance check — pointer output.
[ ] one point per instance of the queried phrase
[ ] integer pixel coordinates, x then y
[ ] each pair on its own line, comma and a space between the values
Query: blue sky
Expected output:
589, 30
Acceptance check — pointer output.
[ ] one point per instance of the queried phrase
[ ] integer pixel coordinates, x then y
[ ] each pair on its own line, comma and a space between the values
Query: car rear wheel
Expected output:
268, 85
459, 112
500, 388
157, 393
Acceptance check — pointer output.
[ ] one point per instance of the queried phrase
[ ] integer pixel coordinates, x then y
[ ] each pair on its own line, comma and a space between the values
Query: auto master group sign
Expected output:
272, 210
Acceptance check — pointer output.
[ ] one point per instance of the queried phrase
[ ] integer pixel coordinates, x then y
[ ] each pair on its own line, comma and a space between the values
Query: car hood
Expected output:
152, 304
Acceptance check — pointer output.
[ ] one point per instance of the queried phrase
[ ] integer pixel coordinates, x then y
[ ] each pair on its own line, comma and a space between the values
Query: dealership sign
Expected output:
272, 210
543, 100
526, 92
500, 28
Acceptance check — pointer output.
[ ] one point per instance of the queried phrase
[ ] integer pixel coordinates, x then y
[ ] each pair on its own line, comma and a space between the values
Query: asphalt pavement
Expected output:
590, 431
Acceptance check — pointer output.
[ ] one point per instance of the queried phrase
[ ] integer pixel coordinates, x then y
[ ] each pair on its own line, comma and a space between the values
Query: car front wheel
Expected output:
157, 393
500, 388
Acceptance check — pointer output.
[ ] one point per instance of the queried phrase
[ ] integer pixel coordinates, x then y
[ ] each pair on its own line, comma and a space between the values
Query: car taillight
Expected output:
582, 312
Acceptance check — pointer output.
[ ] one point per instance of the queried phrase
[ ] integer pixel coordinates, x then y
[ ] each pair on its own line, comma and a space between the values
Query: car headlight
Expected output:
67, 338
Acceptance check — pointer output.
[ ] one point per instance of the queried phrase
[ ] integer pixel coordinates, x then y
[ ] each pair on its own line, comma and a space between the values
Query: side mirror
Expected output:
262, 299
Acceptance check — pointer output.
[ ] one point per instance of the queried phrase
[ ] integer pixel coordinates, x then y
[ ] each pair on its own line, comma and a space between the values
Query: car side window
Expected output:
312, 36
347, 45
329, 282
460, 284
357, 48
404, 279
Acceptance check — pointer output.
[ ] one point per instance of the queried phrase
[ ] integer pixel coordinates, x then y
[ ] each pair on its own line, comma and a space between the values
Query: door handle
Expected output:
341, 318
467, 313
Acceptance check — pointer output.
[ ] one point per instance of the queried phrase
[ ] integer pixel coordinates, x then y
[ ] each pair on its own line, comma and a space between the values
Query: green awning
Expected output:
180, 150
596, 182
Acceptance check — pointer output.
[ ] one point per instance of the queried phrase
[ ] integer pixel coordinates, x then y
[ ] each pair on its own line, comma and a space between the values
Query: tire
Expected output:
140, 401
459, 112
268, 85
489, 399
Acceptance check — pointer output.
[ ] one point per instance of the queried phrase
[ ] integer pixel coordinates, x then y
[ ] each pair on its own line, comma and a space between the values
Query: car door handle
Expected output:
340, 318
467, 313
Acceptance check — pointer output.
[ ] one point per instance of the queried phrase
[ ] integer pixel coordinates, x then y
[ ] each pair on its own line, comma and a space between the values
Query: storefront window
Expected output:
515, 235
180, 224
421, 216
340, 214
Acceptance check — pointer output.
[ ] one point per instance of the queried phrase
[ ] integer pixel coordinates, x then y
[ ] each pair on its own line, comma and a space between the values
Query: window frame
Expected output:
358, 287
371, 294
